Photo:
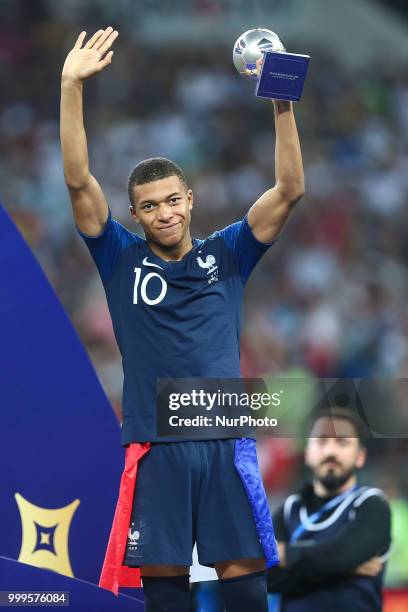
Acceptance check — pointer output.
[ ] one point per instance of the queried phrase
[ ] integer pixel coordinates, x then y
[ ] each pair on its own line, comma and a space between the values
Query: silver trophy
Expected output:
282, 74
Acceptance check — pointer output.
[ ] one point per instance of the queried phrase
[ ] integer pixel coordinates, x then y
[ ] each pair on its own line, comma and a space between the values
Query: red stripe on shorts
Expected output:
114, 575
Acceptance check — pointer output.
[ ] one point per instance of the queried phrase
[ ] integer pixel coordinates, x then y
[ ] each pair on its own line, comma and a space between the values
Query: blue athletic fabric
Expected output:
192, 492
177, 319
245, 593
246, 463
167, 594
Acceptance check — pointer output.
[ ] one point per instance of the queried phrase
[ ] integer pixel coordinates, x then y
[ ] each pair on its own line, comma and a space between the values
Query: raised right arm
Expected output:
88, 201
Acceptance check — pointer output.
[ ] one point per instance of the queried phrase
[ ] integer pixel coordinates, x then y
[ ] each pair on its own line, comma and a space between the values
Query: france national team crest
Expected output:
133, 537
210, 265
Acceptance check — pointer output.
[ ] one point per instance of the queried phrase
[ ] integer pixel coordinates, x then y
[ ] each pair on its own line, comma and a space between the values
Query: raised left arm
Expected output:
270, 212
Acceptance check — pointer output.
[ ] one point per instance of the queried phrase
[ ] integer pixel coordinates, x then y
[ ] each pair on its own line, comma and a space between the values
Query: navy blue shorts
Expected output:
191, 492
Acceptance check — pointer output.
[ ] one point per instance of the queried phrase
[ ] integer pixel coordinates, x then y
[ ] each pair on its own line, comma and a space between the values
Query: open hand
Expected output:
85, 61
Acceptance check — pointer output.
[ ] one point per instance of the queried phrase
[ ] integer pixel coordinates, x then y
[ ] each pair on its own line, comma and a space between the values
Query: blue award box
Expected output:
282, 76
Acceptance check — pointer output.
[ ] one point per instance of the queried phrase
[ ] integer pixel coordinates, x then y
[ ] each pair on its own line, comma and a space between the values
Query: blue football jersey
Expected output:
173, 319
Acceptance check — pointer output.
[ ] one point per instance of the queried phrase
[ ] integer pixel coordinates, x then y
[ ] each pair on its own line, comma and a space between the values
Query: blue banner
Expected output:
18, 580
61, 459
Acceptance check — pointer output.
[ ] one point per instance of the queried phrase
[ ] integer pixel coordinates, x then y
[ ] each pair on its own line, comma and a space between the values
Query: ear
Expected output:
134, 213
190, 197
361, 457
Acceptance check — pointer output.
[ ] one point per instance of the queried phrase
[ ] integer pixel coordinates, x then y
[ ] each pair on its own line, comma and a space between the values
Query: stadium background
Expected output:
330, 299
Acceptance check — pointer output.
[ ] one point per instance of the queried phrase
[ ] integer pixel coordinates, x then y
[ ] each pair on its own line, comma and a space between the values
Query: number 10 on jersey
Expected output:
150, 301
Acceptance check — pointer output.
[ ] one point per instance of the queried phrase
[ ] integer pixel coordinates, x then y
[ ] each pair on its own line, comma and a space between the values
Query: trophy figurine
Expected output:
282, 74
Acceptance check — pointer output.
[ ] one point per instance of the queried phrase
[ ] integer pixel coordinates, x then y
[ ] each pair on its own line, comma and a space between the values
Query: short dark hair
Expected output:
154, 169
338, 412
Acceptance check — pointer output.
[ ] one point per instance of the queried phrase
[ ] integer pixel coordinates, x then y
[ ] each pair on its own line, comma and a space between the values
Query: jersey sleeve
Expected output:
246, 249
108, 245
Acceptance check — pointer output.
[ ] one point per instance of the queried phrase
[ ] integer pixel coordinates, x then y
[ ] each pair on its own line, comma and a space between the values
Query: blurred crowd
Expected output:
330, 297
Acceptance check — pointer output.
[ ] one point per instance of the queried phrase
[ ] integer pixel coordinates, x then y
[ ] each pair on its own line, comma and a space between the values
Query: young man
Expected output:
175, 306
334, 535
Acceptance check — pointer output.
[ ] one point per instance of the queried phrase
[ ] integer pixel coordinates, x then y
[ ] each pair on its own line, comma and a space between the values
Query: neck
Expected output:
173, 253
321, 491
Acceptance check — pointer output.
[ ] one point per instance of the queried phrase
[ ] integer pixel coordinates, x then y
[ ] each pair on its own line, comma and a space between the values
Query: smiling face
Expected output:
333, 452
163, 209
